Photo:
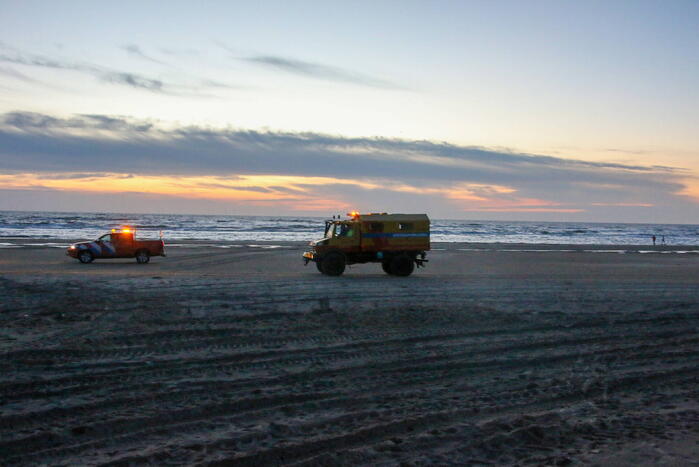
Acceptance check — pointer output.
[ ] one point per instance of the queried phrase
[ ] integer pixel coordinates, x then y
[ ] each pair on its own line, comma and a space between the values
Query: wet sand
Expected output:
237, 354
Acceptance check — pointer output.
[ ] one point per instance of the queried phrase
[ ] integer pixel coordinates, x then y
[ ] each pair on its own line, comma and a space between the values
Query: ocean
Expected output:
72, 226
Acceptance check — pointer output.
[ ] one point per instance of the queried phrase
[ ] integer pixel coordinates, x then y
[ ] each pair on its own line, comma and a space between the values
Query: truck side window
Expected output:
405, 226
106, 238
375, 227
344, 230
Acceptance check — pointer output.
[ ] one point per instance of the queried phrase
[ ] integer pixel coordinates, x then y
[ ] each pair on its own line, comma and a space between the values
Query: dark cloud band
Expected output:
39, 143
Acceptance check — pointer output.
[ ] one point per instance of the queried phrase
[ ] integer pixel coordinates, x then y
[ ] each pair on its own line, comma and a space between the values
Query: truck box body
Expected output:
390, 232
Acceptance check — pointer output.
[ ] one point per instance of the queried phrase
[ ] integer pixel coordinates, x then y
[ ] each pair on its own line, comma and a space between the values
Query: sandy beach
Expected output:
237, 354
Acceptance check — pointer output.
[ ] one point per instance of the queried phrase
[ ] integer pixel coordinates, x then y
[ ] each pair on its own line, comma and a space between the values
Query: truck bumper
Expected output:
308, 256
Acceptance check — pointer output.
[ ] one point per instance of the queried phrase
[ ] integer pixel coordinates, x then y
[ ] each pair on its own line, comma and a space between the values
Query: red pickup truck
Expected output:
117, 244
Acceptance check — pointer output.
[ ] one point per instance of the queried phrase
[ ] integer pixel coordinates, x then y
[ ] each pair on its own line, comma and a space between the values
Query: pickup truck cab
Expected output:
117, 244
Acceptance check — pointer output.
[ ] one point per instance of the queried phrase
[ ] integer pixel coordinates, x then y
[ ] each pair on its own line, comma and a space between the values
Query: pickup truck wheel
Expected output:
333, 264
142, 257
85, 257
402, 265
386, 266
319, 266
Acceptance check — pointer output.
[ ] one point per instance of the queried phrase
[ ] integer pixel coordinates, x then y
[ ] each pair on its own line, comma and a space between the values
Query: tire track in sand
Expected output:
373, 384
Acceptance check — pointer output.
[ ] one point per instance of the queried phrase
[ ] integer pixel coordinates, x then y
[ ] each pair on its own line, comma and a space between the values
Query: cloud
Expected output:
483, 178
136, 51
39, 61
180, 52
82, 175
40, 122
7, 71
319, 71
210, 83
133, 80
111, 76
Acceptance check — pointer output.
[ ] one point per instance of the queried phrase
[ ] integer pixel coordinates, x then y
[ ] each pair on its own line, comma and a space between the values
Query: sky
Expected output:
503, 110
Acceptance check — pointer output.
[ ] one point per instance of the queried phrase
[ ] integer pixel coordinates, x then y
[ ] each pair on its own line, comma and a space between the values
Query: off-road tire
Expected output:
402, 265
319, 266
142, 256
84, 256
386, 266
333, 264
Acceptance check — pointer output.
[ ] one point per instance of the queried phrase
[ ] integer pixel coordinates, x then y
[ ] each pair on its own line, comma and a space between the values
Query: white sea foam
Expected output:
621, 252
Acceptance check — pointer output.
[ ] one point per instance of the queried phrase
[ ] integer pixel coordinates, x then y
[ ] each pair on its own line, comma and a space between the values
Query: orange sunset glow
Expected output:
296, 192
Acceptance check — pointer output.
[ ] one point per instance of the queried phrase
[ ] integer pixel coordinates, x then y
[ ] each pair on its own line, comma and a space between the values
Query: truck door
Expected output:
107, 246
125, 245
346, 236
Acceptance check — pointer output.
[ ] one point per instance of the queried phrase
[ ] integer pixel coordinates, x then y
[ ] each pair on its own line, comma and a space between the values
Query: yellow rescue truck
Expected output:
397, 241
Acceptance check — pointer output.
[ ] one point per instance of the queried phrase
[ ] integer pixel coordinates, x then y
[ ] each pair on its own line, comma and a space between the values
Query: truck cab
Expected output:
344, 235
398, 241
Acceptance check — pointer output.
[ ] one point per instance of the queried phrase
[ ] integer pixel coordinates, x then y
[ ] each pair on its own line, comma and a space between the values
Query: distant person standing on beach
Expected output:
662, 240
653, 240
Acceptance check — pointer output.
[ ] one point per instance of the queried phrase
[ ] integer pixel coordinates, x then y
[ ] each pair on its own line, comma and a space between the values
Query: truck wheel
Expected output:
85, 257
333, 264
142, 257
402, 265
386, 266
319, 266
